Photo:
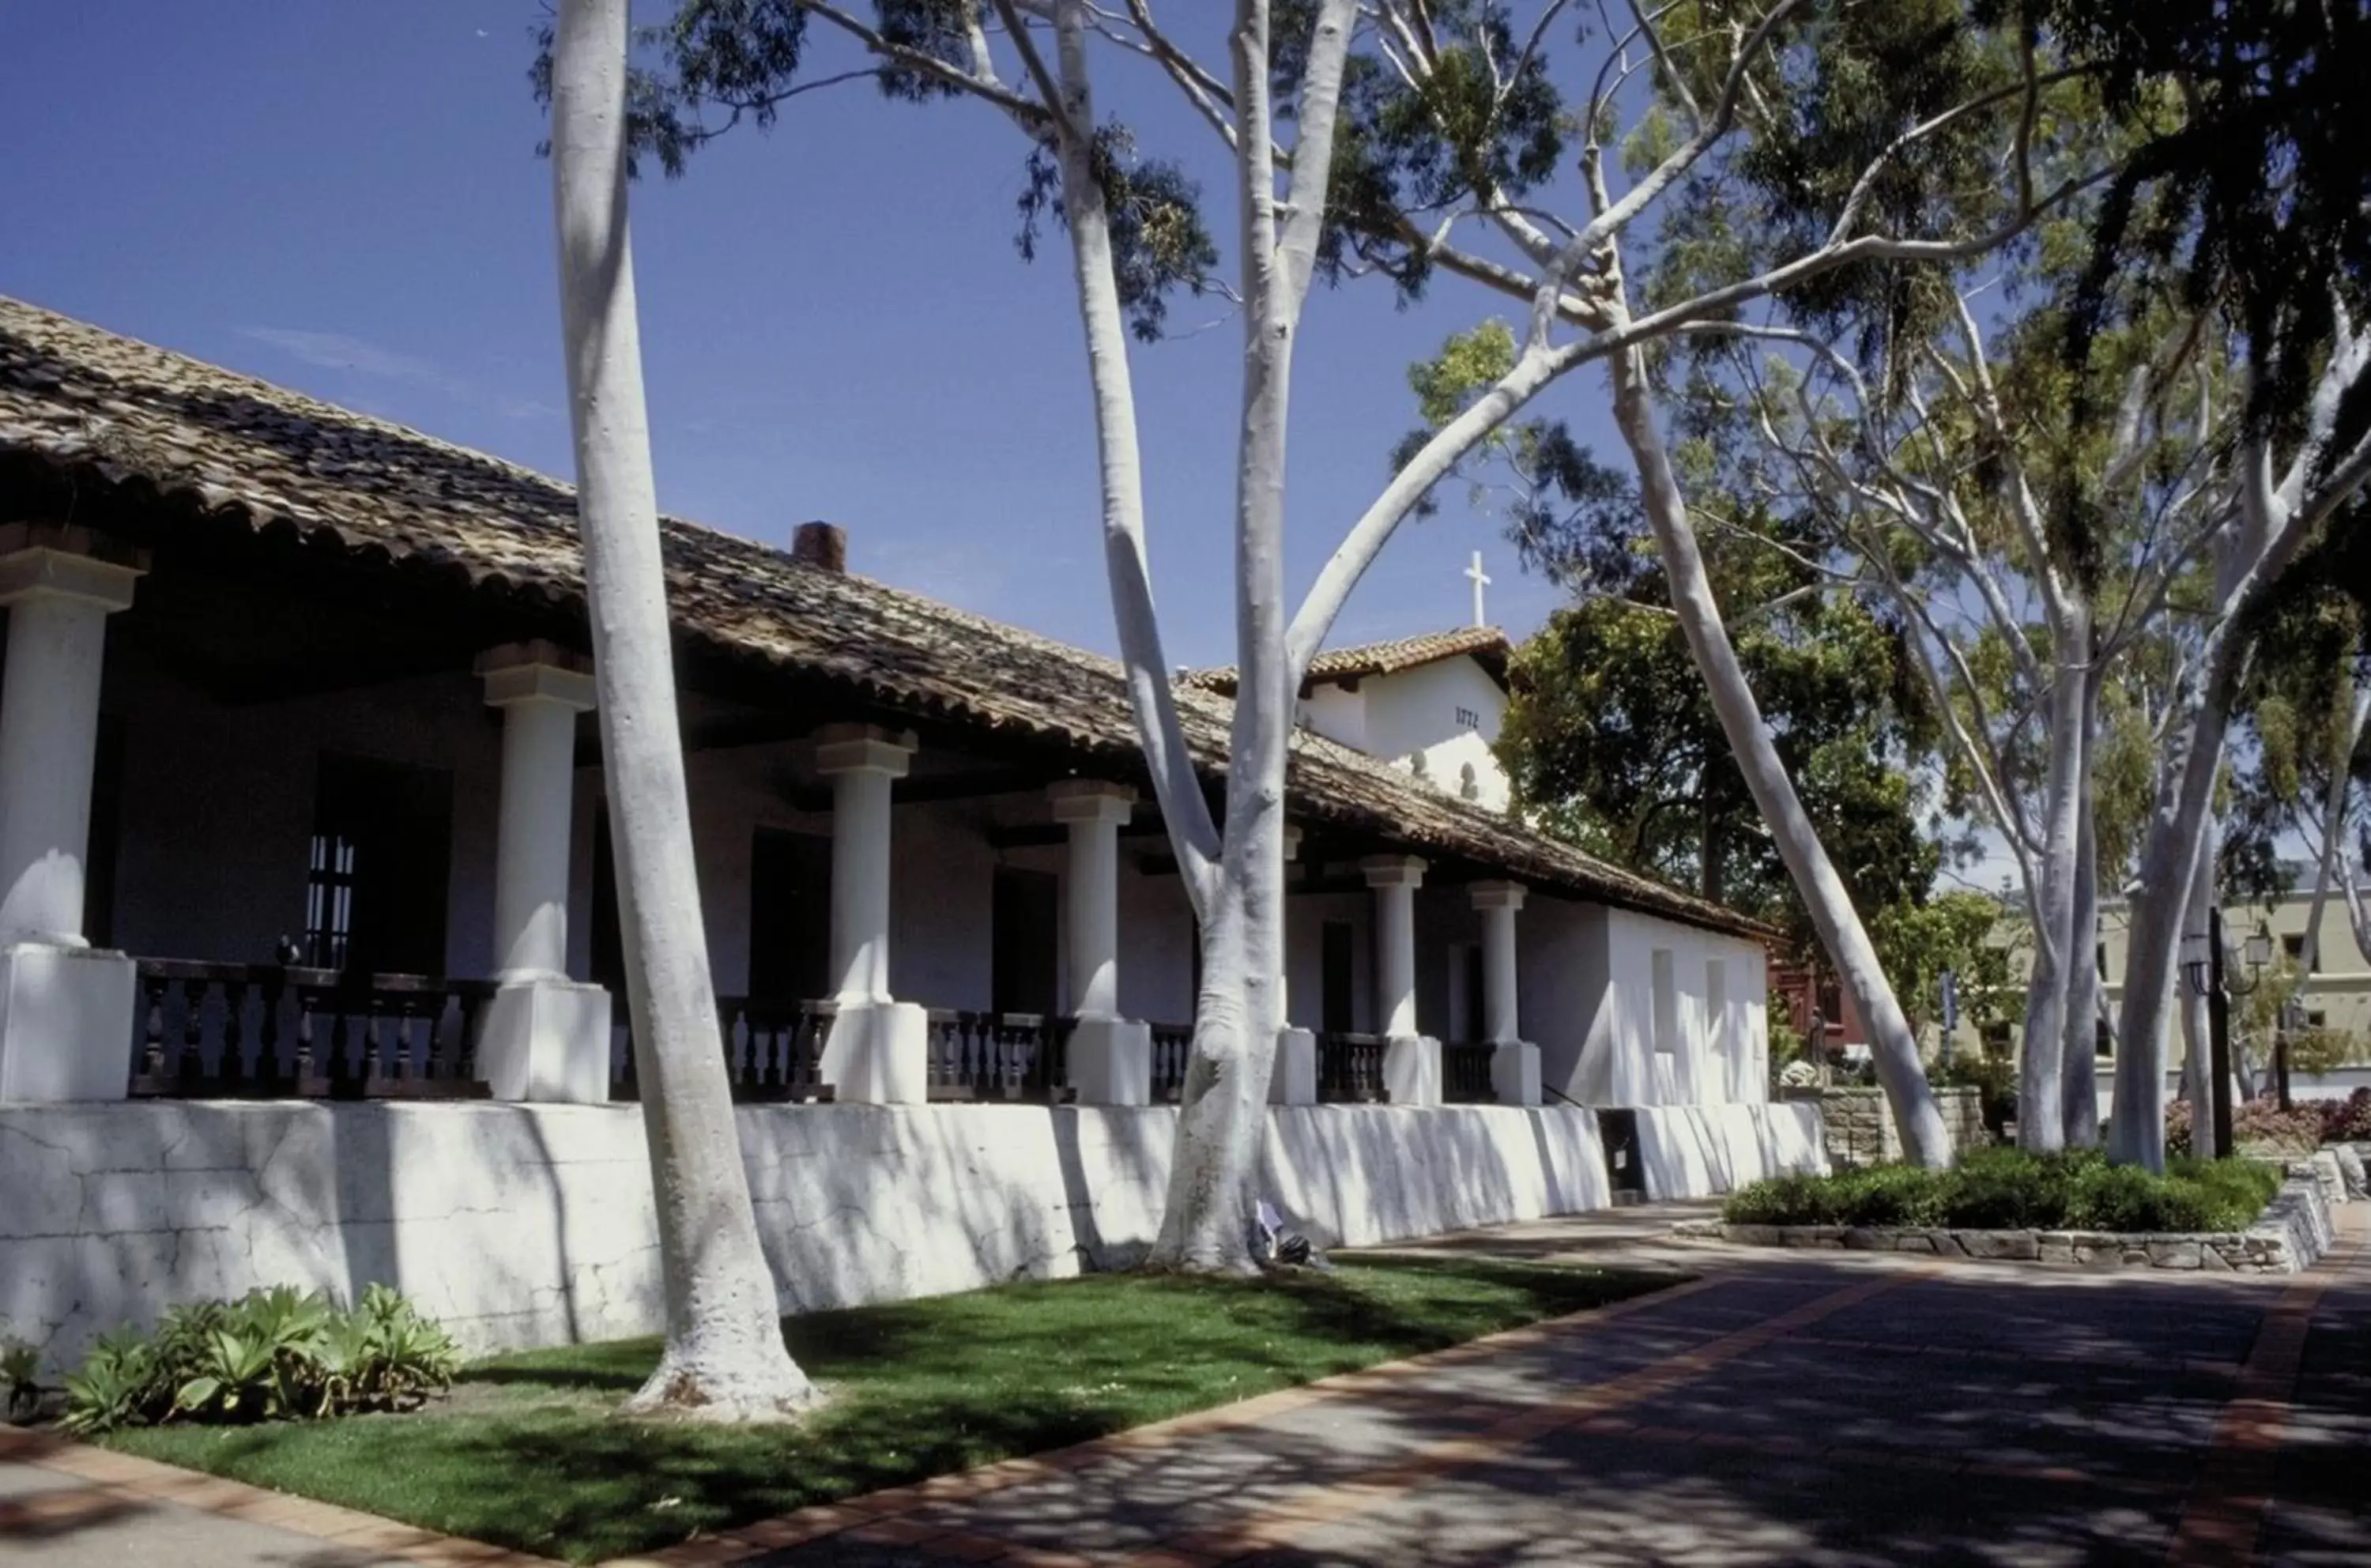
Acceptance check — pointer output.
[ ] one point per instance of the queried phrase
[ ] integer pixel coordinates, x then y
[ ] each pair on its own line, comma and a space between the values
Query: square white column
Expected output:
1093, 814
1294, 1079
65, 1010
1514, 1063
1108, 1058
1395, 879
878, 1050
543, 1037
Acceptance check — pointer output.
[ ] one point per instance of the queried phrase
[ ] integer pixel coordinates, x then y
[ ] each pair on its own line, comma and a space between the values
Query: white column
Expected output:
1395, 879
1293, 1079
878, 1050
1411, 1061
65, 1011
544, 1036
1514, 1063
1094, 812
1496, 902
861, 762
540, 697
58, 604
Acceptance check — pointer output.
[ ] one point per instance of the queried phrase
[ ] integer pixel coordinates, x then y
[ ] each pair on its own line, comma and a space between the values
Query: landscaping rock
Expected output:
2350, 1171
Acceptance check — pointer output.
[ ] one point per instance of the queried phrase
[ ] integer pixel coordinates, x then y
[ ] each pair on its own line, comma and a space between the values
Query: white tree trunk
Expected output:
2079, 1069
1222, 1119
2041, 1096
2176, 838
723, 1358
2357, 705
1924, 1139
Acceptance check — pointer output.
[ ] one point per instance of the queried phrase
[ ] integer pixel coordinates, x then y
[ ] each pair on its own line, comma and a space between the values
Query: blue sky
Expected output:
345, 199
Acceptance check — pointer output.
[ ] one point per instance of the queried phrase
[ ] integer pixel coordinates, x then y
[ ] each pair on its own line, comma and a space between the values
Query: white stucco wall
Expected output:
1560, 995
1397, 717
522, 1225
1706, 1059
1701, 1151
1337, 713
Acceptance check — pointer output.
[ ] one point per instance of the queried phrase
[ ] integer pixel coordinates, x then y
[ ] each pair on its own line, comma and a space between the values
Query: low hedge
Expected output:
2007, 1189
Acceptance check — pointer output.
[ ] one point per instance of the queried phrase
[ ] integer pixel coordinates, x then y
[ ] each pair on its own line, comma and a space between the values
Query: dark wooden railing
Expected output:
1173, 1046
1350, 1068
992, 1055
269, 1031
1465, 1074
773, 1049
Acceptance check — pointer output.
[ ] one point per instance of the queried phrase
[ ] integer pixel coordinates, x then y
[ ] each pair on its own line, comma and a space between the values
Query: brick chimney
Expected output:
823, 545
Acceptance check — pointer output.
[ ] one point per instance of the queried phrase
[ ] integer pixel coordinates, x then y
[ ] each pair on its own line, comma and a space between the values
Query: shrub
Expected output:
2007, 1189
274, 1355
1885, 1194
2261, 1127
1783, 1200
2347, 1120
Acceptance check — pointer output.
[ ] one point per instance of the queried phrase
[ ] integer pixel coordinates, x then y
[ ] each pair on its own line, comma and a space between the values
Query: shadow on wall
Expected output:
527, 1225
1701, 1151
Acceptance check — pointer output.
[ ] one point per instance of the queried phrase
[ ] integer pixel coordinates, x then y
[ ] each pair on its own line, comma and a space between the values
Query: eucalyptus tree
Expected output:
1933, 458
1415, 123
723, 1358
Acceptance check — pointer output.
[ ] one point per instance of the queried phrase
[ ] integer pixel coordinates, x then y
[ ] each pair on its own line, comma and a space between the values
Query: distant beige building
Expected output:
2336, 996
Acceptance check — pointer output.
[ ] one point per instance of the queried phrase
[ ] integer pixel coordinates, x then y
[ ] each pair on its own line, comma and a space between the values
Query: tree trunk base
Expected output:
680, 1391
1237, 1266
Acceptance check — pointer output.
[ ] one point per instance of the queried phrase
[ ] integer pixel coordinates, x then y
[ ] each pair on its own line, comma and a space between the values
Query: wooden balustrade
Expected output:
772, 1048
1173, 1047
1465, 1074
1350, 1069
992, 1055
217, 1031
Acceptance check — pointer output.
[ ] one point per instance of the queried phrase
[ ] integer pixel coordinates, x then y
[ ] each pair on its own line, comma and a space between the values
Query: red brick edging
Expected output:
121, 1483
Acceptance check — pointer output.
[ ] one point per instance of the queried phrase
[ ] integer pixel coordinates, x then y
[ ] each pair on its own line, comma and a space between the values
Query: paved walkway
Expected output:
1829, 1409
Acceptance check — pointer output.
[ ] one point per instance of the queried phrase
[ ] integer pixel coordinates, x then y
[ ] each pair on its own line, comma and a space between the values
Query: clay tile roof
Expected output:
114, 411
1486, 645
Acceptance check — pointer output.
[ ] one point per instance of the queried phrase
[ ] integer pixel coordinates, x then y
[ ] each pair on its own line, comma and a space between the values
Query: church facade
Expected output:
301, 827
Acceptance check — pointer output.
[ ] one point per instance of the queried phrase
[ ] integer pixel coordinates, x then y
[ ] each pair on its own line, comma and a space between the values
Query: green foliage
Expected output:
275, 1354
2253, 180
1610, 738
2007, 1189
1917, 941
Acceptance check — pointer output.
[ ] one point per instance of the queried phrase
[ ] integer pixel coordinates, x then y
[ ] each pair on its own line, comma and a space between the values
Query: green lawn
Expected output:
525, 1454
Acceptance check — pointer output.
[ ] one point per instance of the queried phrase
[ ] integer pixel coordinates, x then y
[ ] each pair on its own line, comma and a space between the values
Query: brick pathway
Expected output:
1827, 1409
1830, 1408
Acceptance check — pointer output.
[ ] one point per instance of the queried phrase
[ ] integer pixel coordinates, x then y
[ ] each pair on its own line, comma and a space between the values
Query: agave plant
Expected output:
115, 1386
273, 1354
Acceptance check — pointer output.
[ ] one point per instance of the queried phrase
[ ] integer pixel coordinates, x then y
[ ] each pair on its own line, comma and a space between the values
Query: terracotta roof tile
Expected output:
1486, 644
90, 401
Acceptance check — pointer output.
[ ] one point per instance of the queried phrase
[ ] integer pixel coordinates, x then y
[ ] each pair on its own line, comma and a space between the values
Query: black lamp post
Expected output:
2204, 973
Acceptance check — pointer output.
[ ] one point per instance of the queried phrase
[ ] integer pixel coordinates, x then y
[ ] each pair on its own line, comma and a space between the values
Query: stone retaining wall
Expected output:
2293, 1230
1860, 1126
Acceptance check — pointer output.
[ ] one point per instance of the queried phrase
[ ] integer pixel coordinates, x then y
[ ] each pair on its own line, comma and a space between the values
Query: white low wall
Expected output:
524, 1224
1701, 1151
